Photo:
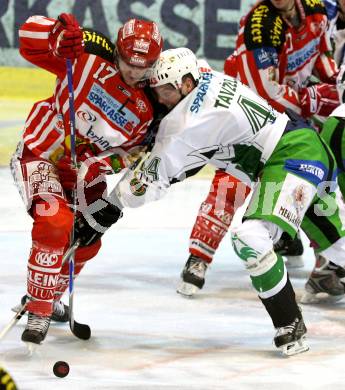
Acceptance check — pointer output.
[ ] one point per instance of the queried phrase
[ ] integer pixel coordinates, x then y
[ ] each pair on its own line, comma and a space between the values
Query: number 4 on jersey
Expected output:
151, 170
257, 114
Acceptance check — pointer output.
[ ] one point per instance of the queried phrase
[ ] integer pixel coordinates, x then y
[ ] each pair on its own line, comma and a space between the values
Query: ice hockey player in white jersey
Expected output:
214, 119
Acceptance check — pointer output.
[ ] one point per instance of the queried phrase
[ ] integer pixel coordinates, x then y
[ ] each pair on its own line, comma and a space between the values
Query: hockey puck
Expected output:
61, 369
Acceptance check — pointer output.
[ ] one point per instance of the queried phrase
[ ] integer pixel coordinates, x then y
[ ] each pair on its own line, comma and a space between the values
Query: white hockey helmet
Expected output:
172, 65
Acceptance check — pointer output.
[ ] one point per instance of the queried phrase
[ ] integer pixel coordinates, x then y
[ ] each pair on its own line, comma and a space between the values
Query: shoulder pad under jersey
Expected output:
98, 44
312, 7
264, 27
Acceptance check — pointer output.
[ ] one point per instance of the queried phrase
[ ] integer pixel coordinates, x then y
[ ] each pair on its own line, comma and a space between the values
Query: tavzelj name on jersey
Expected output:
226, 93
202, 90
125, 119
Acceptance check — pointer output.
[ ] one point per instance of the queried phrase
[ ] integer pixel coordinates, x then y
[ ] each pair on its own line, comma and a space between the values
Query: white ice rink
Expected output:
144, 335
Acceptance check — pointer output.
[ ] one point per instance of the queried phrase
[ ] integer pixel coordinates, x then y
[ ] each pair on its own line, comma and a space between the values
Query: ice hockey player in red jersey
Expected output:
112, 117
280, 45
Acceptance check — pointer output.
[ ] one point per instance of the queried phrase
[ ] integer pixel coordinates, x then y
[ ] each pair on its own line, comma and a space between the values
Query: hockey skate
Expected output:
291, 249
193, 276
291, 339
60, 310
324, 284
35, 331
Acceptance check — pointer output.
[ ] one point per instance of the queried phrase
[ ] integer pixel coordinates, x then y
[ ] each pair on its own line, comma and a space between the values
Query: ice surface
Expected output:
144, 335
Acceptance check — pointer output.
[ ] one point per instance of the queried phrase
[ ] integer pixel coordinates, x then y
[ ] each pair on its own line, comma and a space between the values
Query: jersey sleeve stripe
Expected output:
33, 34
84, 75
54, 145
35, 112
50, 144
43, 121
47, 131
40, 20
327, 65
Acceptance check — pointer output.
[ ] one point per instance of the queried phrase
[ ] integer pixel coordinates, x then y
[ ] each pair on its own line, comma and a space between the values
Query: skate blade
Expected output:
295, 348
187, 289
31, 348
294, 262
310, 298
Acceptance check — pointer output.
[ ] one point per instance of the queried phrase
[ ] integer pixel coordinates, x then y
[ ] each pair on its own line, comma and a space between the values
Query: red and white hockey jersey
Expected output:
109, 113
276, 59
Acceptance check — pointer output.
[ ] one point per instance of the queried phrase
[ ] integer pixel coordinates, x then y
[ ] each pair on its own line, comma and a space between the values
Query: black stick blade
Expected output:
82, 331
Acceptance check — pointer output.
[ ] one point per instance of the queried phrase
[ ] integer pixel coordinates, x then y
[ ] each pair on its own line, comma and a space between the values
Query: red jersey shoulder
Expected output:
316, 24
98, 44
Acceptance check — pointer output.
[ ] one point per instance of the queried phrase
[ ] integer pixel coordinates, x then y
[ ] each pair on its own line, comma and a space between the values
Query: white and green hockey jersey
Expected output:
221, 122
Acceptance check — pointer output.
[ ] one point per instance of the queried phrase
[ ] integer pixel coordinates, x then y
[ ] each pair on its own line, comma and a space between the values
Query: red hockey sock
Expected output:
215, 215
50, 236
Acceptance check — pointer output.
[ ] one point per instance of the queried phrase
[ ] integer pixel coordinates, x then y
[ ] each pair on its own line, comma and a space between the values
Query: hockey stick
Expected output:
13, 321
21, 310
82, 331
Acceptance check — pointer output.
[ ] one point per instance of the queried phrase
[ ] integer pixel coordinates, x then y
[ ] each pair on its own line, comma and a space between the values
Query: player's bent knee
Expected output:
262, 264
252, 242
267, 270
53, 230
251, 235
257, 234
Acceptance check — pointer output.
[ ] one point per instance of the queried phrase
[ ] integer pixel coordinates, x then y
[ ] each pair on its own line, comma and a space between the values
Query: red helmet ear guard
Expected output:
139, 43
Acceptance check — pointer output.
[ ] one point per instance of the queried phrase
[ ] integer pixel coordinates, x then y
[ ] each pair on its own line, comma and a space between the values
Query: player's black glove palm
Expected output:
91, 230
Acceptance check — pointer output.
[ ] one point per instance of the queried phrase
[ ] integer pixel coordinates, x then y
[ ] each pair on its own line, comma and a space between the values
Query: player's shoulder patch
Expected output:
312, 7
98, 44
264, 27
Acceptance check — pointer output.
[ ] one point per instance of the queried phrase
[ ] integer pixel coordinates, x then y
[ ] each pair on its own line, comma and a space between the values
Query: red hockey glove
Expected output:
90, 169
67, 174
319, 99
93, 166
66, 37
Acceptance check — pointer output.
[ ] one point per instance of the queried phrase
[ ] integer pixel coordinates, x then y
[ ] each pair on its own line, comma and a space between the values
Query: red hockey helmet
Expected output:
139, 43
